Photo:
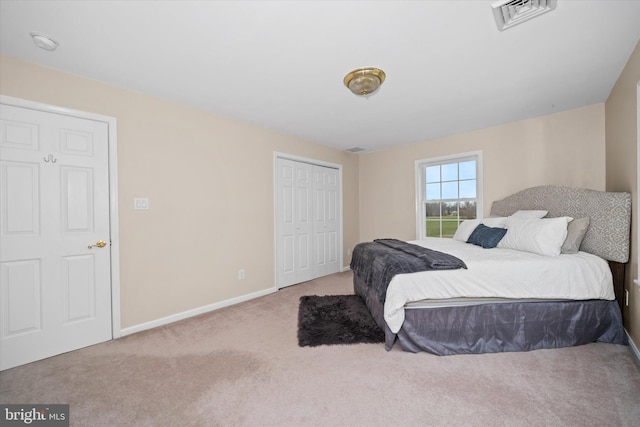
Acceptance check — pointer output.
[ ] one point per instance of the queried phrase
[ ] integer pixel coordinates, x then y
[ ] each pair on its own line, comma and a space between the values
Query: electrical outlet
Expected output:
141, 203
241, 274
349, 252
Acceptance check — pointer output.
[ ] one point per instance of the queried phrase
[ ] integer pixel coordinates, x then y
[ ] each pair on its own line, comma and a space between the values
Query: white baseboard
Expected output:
634, 348
194, 312
346, 268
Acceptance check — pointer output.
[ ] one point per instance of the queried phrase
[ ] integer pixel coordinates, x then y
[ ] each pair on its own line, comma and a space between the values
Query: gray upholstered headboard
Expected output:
609, 215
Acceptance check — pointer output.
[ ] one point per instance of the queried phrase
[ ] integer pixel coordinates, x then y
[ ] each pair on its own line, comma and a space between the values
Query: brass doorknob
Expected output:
99, 244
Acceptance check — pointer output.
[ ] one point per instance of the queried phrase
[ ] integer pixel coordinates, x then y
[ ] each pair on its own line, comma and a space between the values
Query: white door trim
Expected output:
113, 191
637, 279
278, 155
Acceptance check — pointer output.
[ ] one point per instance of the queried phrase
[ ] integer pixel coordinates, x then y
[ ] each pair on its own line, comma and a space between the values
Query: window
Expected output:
449, 191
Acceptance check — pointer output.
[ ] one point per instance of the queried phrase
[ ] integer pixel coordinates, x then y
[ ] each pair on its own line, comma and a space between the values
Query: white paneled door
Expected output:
325, 220
294, 225
55, 237
307, 221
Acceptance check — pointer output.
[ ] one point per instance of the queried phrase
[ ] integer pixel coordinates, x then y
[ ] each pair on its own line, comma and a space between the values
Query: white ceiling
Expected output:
280, 64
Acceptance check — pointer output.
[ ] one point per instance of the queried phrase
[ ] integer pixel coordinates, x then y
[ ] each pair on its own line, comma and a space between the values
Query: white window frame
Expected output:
421, 183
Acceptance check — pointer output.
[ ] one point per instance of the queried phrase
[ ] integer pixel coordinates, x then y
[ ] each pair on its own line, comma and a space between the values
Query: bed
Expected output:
480, 307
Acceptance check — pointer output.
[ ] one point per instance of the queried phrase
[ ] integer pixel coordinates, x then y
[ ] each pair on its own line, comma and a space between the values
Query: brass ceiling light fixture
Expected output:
364, 81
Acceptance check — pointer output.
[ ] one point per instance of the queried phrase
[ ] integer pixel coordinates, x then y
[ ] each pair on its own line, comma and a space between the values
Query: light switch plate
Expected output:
141, 203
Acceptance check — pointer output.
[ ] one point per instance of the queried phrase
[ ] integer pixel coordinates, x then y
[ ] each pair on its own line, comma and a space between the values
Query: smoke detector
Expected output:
509, 13
44, 42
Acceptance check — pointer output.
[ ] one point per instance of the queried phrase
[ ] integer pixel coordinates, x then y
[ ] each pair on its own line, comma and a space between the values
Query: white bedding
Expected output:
499, 273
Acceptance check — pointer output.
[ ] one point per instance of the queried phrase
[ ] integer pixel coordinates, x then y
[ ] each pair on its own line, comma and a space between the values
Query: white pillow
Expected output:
529, 214
497, 221
540, 236
466, 227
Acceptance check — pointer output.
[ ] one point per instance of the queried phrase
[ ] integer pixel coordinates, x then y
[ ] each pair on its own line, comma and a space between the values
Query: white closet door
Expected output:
54, 190
307, 221
325, 220
294, 222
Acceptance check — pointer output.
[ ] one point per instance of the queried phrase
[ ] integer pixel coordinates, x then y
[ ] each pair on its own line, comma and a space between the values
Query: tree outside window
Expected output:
449, 194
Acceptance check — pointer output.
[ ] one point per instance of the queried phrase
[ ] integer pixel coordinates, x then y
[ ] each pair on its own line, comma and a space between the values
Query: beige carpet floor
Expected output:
241, 366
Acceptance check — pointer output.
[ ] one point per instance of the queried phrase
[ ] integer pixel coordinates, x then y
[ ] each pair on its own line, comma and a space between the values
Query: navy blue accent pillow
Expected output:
487, 237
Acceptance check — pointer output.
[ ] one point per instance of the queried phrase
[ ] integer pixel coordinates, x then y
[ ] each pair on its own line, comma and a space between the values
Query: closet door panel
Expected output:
307, 221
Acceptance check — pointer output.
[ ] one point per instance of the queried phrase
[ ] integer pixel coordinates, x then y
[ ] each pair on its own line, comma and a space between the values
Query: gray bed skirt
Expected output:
498, 327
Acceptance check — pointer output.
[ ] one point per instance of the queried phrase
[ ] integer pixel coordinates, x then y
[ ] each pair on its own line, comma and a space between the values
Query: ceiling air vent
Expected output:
513, 12
355, 149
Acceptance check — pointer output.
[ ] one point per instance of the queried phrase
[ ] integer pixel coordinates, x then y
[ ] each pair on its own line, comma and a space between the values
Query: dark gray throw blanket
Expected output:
378, 261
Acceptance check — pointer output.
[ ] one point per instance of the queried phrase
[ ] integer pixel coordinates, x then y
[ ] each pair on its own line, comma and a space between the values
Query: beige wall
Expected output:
566, 148
210, 188
204, 176
622, 169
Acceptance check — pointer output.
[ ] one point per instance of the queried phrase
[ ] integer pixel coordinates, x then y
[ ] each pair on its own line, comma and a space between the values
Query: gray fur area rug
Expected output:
335, 319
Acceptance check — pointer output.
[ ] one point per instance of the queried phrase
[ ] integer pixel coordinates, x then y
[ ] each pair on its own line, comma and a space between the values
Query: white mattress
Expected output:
499, 273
